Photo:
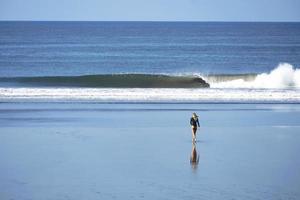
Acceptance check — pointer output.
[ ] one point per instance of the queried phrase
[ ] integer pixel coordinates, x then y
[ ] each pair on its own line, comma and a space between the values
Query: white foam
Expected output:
149, 95
283, 76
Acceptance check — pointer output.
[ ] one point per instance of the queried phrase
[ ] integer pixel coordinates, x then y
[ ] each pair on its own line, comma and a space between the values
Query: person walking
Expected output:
194, 123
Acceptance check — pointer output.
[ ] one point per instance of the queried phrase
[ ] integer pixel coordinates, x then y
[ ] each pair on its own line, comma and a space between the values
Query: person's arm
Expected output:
191, 122
198, 123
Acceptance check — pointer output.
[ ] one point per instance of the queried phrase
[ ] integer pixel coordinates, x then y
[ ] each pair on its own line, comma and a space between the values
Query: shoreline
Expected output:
67, 101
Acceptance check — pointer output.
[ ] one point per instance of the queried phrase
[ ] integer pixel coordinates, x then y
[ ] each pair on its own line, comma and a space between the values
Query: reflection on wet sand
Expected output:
194, 159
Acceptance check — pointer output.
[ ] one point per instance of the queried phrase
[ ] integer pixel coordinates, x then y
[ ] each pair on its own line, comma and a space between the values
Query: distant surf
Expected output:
282, 85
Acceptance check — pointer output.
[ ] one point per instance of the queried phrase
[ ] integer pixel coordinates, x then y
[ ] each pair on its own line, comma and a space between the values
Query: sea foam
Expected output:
149, 95
284, 76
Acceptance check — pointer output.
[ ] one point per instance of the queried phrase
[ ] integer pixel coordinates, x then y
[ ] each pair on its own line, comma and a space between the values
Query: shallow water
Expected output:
142, 151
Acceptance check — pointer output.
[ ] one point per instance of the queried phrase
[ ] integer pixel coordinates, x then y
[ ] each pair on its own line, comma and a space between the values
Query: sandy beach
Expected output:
142, 151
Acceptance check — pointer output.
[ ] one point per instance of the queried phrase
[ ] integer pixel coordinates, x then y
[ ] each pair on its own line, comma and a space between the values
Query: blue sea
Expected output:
175, 61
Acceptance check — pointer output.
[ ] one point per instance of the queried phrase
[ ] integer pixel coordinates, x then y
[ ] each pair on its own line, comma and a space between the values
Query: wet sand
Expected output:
143, 151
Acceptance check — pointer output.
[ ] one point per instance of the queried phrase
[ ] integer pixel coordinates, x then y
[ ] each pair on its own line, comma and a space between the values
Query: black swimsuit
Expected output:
194, 122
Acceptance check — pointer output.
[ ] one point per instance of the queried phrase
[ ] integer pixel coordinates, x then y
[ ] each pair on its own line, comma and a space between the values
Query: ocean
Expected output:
150, 61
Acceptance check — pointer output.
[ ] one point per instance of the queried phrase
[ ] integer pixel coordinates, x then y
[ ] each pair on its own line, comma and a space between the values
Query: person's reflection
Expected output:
194, 159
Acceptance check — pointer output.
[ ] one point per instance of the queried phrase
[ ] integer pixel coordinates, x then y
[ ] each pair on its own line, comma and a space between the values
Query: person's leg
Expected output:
194, 130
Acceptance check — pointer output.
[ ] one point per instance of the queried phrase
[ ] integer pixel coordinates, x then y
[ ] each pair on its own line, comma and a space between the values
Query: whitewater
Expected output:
149, 95
284, 76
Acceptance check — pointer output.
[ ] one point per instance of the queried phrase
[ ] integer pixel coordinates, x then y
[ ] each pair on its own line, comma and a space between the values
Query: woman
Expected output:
194, 122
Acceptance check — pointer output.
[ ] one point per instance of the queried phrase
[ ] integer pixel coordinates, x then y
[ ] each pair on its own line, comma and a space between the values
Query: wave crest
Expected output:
112, 81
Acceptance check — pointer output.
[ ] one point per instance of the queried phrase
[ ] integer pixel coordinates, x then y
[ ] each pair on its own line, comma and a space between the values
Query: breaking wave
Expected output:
284, 76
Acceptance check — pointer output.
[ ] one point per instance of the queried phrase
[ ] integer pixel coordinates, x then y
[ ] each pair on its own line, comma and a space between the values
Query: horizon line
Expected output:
208, 21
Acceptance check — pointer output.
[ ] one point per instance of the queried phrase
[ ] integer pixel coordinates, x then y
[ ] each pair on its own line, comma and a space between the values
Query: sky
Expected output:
150, 10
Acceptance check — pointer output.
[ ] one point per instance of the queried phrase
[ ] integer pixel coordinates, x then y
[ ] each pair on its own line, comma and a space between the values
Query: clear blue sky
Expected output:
151, 10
